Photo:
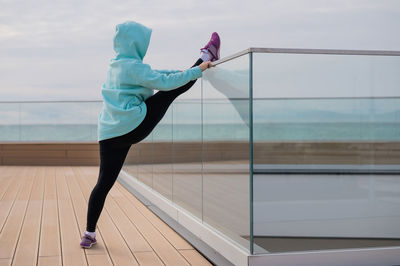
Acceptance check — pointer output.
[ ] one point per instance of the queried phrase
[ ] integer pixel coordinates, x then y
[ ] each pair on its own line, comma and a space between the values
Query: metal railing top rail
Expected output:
191, 100
306, 51
53, 101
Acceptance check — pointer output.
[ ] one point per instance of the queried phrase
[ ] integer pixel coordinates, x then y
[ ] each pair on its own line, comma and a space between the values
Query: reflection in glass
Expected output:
322, 164
145, 160
226, 149
162, 156
10, 122
187, 156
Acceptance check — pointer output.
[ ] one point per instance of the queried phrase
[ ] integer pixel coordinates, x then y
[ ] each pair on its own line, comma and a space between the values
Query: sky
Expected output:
59, 50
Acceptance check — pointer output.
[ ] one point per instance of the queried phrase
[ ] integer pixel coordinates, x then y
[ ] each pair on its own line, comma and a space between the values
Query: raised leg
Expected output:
157, 105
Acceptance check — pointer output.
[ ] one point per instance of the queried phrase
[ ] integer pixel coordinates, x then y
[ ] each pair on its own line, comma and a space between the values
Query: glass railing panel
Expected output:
325, 76
57, 121
187, 154
145, 160
49, 121
132, 161
10, 126
226, 154
95, 108
326, 151
162, 155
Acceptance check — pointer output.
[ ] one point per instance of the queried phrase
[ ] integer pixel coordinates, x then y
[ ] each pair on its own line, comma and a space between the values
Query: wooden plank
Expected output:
80, 206
195, 258
39, 195
9, 195
5, 171
50, 231
33, 153
83, 154
119, 192
32, 146
50, 261
72, 253
27, 248
116, 246
5, 179
148, 258
47, 161
272, 152
168, 254
99, 259
83, 147
132, 236
49, 154
49, 146
5, 262
12, 227
172, 236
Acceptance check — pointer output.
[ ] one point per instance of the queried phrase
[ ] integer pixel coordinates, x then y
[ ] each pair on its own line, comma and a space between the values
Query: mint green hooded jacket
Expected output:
130, 82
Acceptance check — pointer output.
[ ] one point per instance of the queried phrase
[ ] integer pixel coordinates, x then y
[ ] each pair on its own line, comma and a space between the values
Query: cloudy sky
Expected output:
59, 50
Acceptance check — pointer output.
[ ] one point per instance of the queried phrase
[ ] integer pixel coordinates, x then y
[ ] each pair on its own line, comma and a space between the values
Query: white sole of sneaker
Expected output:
90, 245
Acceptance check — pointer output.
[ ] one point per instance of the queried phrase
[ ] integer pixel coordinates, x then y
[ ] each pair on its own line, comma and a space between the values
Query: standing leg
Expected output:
112, 157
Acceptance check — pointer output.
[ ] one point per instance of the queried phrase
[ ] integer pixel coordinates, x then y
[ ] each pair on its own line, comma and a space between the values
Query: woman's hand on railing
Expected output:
203, 66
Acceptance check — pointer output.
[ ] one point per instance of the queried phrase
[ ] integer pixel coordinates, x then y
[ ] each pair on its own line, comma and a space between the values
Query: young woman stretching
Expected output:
130, 110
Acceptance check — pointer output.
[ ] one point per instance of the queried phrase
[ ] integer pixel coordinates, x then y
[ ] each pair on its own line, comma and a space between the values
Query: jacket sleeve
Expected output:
147, 77
166, 71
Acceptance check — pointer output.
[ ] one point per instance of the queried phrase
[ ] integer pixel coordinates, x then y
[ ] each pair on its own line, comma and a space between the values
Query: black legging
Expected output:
113, 151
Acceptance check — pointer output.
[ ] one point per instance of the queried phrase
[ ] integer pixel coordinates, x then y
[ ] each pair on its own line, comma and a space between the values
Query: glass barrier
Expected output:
187, 154
10, 121
326, 151
162, 156
145, 160
226, 149
187, 151
285, 152
199, 155
49, 121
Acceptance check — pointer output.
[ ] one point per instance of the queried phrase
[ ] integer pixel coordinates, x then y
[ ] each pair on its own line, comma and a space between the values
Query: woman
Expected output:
130, 110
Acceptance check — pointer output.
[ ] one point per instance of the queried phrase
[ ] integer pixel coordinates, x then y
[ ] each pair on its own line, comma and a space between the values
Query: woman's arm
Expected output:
143, 75
167, 71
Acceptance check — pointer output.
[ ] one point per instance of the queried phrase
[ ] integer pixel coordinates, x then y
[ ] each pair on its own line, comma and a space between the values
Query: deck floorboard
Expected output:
43, 215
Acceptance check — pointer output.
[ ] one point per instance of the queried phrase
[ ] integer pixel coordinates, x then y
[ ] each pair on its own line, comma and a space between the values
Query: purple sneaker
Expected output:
88, 241
213, 46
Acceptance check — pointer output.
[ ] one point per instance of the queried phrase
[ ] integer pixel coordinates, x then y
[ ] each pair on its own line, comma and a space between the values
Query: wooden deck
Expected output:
43, 215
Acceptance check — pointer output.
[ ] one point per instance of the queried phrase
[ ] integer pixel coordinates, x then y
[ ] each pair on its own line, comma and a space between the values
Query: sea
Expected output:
227, 120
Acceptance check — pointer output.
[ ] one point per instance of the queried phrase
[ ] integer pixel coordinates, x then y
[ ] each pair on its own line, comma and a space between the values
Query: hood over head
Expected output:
131, 40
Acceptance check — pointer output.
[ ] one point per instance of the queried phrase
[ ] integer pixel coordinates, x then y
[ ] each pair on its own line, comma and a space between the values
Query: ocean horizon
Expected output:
344, 131
224, 119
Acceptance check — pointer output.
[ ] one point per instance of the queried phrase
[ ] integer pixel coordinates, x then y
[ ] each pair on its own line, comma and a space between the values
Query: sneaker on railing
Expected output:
213, 47
88, 241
